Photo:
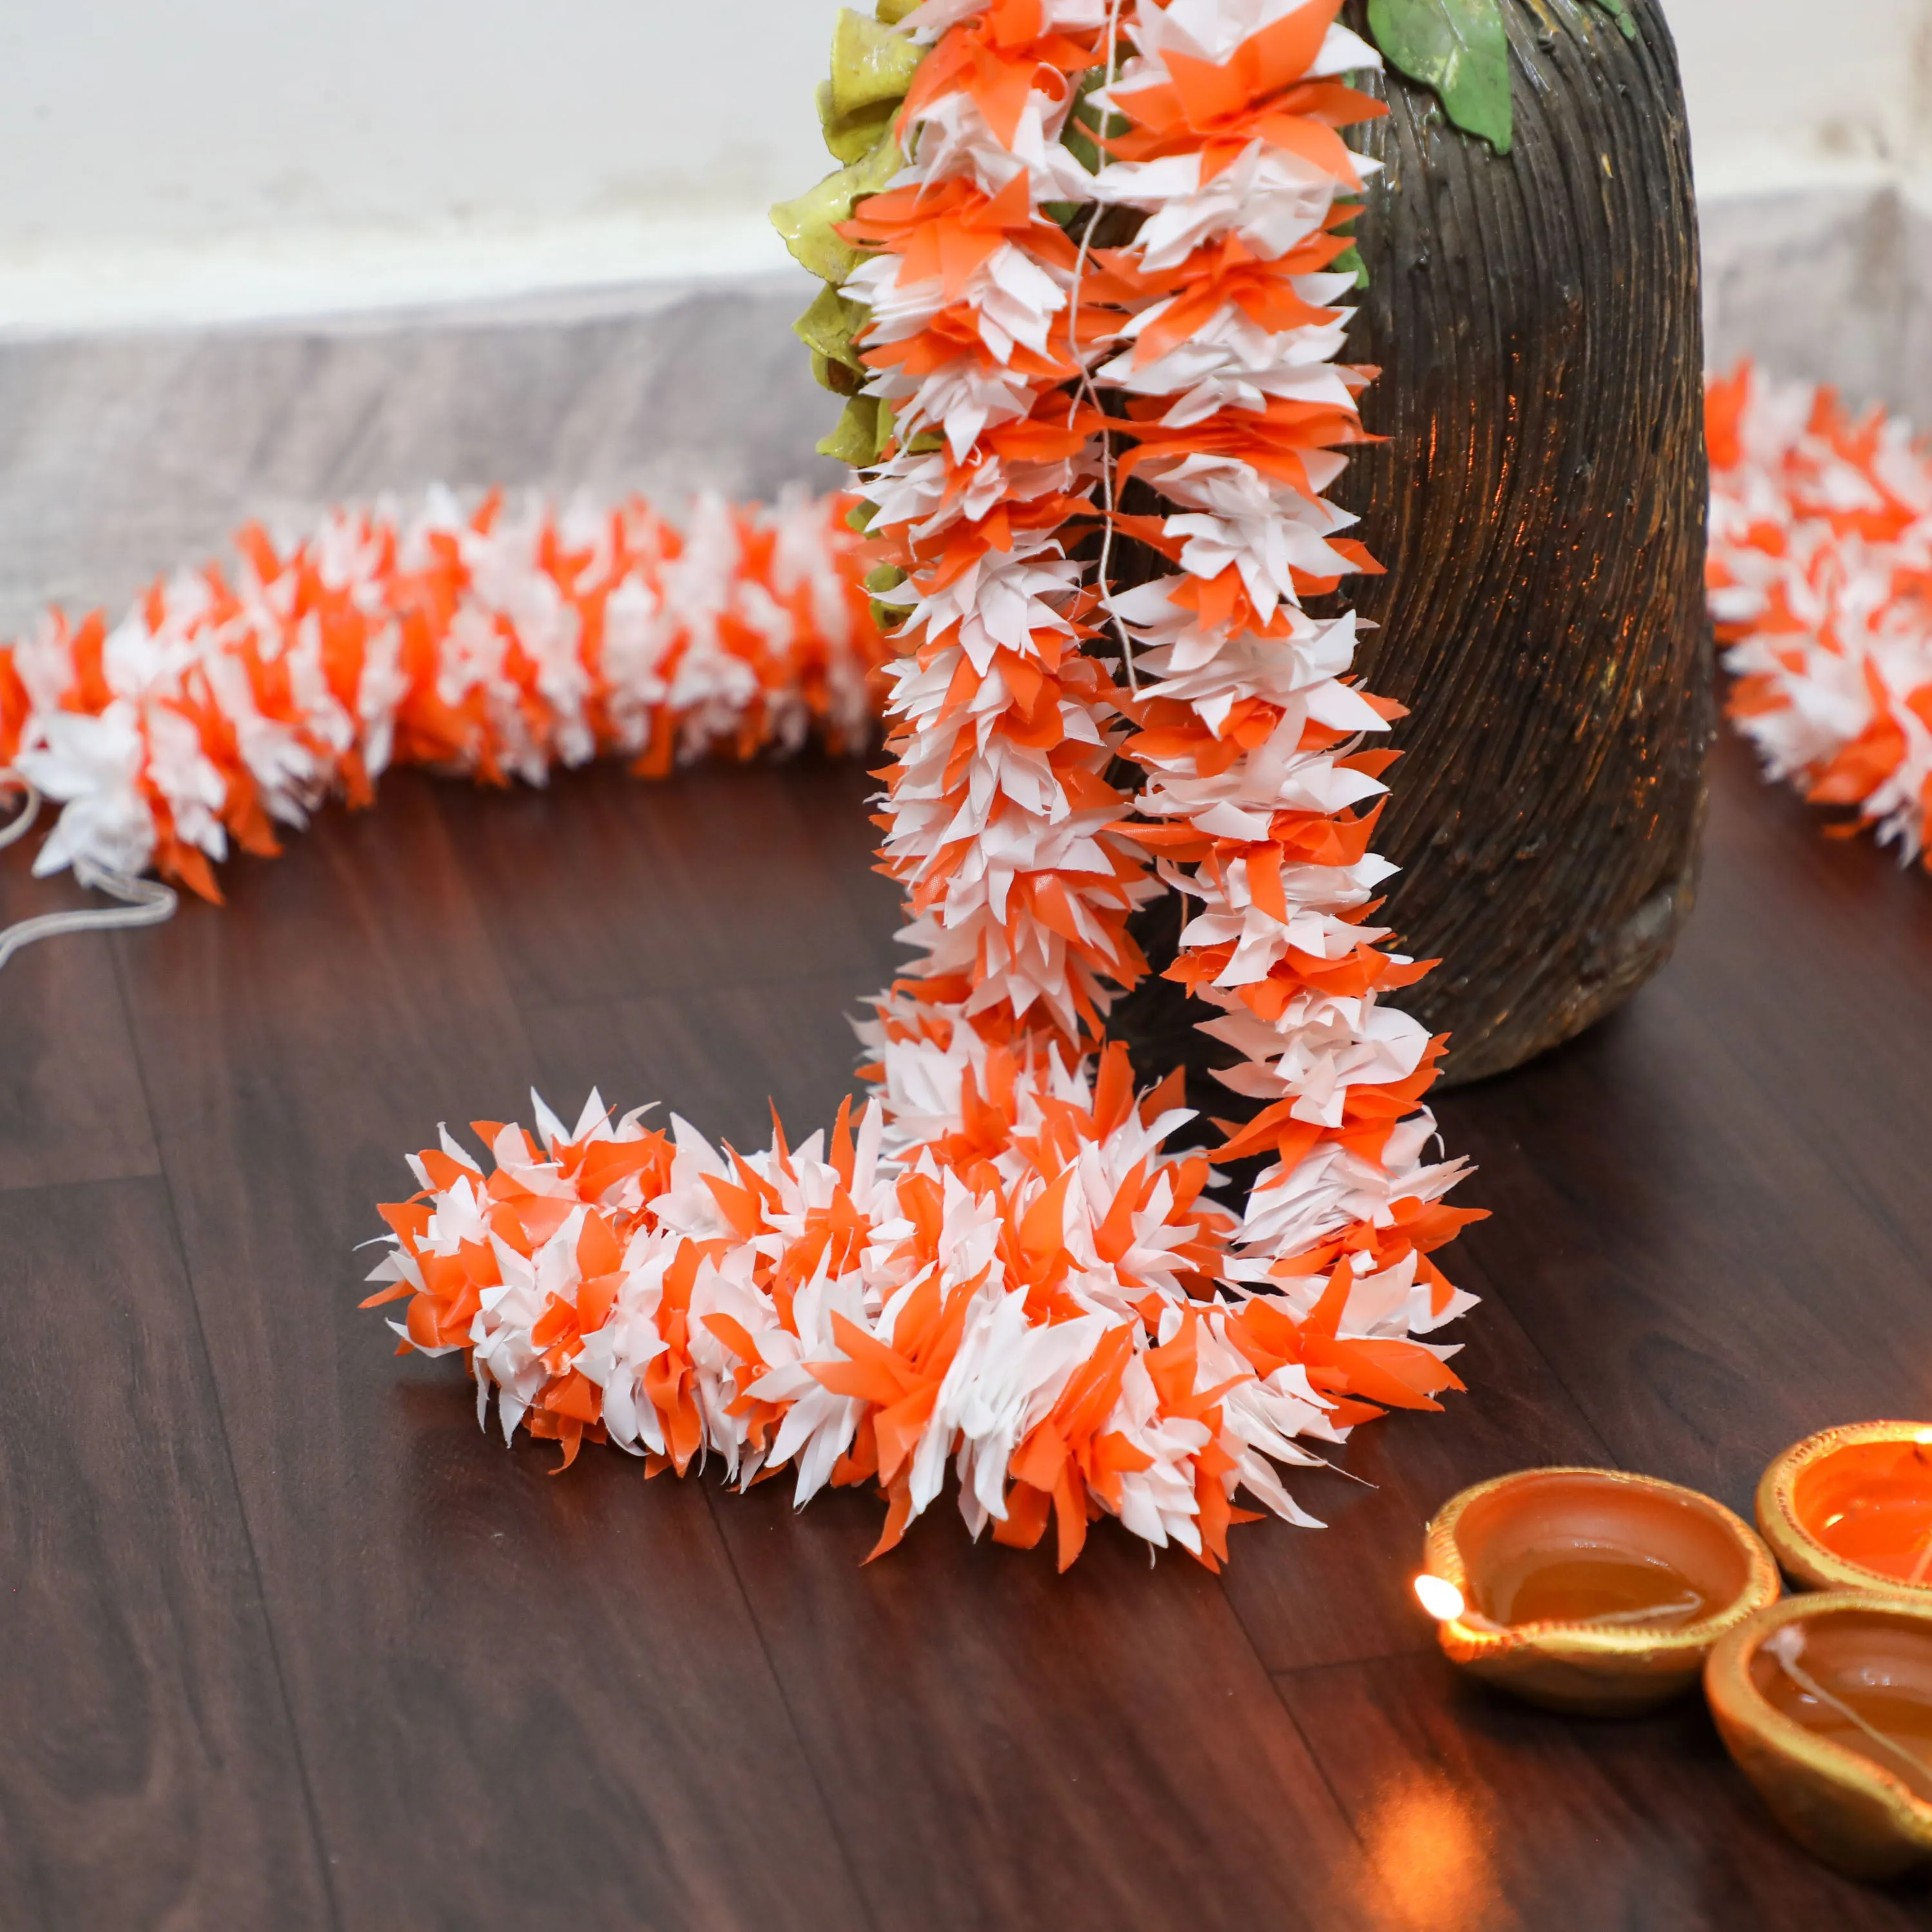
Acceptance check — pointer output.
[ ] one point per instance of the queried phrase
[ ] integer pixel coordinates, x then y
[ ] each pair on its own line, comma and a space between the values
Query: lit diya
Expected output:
1851, 1508
1826, 1702
1589, 1590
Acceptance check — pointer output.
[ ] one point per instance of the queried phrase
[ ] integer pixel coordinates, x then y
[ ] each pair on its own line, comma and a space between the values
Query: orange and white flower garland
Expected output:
998, 1267
1820, 576
229, 702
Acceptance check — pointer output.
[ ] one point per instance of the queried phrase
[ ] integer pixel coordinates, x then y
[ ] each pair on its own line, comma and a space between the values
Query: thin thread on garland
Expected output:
1820, 586
999, 1271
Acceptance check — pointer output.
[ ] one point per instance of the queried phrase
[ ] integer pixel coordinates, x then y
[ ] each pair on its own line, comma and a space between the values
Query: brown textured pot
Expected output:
1539, 503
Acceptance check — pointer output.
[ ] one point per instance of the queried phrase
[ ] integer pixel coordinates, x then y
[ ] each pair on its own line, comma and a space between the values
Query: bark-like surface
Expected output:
1539, 503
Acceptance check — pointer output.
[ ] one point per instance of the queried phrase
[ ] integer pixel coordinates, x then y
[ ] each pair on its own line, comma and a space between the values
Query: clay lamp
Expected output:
1851, 1509
1589, 1590
1826, 1702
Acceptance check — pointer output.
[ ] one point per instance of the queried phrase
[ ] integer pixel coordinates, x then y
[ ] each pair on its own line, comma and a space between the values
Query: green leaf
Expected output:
871, 64
1620, 13
1458, 48
855, 441
849, 136
1350, 262
807, 224
829, 326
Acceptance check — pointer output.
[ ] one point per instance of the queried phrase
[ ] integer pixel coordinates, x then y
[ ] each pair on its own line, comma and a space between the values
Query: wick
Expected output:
1924, 1562
1646, 1613
1476, 1620
1788, 1662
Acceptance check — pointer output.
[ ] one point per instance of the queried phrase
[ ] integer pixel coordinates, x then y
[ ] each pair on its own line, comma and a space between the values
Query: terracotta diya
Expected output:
1590, 1590
1826, 1702
1851, 1509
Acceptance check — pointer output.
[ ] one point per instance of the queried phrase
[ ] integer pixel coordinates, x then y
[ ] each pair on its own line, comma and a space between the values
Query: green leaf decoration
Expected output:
849, 136
1458, 48
1350, 262
829, 326
834, 375
807, 223
872, 68
871, 64
855, 442
1620, 13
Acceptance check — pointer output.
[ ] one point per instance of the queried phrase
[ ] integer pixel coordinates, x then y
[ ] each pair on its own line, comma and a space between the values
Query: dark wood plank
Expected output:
150, 1777
1008, 1747
1329, 1596
520, 1699
719, 1058
1687, 1263
1812, 964
1479, 1814
719, 876
71, 1106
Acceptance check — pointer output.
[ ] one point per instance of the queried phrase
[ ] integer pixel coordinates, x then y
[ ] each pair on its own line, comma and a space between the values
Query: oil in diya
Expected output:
1590, 1590
1826, 1702
1851, 1508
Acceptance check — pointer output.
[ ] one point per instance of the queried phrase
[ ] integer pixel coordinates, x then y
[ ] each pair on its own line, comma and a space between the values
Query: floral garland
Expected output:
999, 1265
228, 702
1820, 577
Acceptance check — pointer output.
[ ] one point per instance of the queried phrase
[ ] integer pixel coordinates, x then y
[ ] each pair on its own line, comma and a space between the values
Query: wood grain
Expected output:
71, 1107
1539, 502
1008, 1747
295, 1644
1475, 1812
150, 1777
628, 1702
507, 1686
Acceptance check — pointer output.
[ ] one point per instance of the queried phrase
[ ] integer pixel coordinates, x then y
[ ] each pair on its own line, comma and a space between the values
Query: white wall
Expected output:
1787, 94
192, 159
200, 158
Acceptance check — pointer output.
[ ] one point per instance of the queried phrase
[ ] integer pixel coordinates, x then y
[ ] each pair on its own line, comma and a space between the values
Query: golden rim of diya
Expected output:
1802, 1556
1576, 1665
1838, 1803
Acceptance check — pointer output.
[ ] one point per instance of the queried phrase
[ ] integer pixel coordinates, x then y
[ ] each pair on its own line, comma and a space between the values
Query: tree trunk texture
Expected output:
1539, 504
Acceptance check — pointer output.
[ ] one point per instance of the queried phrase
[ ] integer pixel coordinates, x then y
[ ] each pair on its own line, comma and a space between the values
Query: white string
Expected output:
18, 827
143, 901
1085, 384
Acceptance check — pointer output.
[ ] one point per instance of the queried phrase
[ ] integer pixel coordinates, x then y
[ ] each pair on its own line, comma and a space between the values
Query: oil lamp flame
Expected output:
1439, 1597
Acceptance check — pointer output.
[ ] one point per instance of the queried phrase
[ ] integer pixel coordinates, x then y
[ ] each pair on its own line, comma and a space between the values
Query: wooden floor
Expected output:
288, 1643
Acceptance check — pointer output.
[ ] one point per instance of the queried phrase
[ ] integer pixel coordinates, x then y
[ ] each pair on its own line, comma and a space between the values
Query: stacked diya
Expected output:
1600, 1591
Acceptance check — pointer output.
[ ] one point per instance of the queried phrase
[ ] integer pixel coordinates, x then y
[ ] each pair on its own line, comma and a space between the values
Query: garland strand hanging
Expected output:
999, 1268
